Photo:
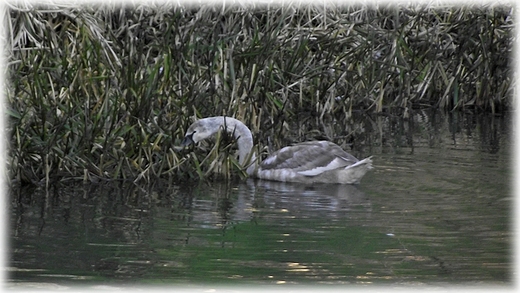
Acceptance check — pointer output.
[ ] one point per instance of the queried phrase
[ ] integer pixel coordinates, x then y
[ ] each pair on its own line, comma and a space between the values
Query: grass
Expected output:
101, 92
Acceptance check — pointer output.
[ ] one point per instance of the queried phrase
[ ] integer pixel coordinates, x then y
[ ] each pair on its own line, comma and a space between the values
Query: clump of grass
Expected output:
99, 92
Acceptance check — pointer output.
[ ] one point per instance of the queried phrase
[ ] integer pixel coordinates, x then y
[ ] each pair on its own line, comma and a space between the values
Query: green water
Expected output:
436, 210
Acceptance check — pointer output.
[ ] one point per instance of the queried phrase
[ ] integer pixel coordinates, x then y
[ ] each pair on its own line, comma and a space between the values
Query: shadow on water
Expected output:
435, 210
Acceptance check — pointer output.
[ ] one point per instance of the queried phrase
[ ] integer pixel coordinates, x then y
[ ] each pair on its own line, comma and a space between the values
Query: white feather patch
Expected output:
334, 164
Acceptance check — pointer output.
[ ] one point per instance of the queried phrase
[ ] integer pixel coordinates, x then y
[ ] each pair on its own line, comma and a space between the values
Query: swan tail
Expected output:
366, 162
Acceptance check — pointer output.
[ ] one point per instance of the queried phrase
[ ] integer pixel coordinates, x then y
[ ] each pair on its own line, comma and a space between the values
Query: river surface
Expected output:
435, 211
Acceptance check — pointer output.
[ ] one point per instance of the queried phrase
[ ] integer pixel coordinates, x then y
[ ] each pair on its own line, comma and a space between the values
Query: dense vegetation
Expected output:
106, 92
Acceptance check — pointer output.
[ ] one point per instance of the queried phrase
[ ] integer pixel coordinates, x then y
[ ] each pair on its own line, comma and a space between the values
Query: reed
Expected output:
101, 92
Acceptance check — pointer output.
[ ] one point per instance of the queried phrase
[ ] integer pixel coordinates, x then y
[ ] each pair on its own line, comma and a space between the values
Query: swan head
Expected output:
207, 127
187, 140
199, 130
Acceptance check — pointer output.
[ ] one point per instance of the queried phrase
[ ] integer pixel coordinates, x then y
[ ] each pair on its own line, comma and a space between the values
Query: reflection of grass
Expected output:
253, 252
243, 251
97, 92
250, 252
75, 260
434, 241
457, 255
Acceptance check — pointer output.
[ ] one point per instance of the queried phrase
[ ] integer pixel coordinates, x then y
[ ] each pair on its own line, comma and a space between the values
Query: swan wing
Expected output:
309, 158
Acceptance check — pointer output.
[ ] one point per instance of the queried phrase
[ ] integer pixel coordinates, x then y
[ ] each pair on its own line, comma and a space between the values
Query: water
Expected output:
436, 210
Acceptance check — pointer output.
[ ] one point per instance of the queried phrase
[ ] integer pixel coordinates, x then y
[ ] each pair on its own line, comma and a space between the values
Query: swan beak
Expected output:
188, 140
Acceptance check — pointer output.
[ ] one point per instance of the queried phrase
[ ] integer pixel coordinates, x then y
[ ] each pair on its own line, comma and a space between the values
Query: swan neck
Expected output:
253, 164
244, 139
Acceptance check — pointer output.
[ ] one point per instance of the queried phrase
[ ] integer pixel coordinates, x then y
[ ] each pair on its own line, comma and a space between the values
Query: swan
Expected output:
305, 162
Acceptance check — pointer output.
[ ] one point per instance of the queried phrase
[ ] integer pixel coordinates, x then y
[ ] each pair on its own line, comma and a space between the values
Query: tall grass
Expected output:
100, 92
